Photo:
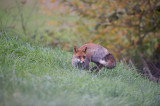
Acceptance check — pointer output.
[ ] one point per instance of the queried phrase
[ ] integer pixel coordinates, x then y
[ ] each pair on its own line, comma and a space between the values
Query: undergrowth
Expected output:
35, 75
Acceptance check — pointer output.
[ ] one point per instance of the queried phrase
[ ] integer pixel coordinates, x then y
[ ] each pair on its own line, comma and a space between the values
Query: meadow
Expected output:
32, 74
35, 75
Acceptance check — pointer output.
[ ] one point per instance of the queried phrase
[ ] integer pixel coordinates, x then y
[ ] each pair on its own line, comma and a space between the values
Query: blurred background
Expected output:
129, 29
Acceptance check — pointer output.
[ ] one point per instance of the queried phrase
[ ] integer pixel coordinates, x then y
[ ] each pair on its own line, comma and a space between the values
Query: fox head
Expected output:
80, 54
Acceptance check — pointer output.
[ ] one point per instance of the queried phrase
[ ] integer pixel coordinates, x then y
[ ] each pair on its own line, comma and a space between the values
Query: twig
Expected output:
130, 62
146, 68
29, 15
21, 17
22, 23
156, 70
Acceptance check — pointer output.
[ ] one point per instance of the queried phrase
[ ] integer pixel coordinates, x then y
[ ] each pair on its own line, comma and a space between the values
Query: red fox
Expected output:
92, 53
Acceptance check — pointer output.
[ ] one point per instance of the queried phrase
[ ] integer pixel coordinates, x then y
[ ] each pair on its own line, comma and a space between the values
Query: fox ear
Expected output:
85, 50
75, 49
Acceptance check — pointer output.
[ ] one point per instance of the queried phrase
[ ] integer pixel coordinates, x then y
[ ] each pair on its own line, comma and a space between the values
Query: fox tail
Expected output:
108, 61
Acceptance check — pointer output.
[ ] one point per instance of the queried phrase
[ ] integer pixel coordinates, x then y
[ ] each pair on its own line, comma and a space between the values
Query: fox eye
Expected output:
79, 56
84, 56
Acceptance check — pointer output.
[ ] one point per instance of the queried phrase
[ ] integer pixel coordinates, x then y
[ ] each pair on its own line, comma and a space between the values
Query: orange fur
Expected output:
93, 53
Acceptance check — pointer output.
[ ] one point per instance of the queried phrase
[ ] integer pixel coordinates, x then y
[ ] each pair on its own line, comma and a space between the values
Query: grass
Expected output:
33, 75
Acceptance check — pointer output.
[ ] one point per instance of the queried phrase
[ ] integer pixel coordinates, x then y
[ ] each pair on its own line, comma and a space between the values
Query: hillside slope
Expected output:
33, 75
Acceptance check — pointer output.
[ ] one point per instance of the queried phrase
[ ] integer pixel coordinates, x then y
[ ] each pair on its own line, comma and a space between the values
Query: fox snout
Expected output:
78, 63
80, 60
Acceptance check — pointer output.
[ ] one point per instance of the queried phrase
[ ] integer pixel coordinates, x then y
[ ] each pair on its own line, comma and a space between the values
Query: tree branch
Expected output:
146, 69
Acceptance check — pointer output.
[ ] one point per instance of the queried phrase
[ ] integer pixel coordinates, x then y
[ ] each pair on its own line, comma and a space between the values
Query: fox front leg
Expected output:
86, 66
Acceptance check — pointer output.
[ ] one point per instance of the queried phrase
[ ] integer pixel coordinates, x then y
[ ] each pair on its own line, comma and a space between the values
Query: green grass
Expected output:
33, 75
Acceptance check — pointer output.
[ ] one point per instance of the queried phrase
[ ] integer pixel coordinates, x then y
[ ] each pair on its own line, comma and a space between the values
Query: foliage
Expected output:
33, 75
126, 27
